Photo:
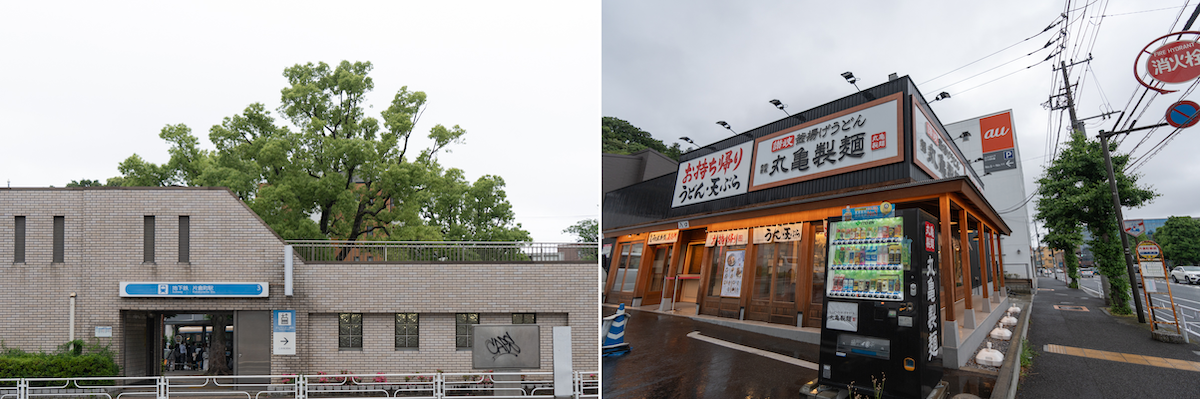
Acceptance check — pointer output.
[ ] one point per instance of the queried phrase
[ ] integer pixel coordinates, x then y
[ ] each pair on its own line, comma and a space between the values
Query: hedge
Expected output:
69, 361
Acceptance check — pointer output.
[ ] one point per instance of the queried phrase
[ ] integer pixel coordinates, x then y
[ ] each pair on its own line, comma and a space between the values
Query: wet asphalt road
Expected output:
666, 363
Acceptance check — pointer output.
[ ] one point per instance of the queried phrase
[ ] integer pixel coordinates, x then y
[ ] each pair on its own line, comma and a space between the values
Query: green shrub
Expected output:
72, 359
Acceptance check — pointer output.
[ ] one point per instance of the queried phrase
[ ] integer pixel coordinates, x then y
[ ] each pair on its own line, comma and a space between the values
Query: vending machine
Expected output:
882, 315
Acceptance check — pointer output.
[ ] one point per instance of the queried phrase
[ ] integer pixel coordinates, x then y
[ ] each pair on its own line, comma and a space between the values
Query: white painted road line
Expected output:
760, 352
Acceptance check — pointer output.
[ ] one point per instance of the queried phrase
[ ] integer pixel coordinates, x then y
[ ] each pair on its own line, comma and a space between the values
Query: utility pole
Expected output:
1112, 183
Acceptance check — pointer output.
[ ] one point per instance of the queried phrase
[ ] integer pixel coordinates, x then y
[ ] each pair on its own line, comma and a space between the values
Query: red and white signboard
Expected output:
1175, 62
663, 237
725, 173
1135, 227
730, 237
930, 243
858, 138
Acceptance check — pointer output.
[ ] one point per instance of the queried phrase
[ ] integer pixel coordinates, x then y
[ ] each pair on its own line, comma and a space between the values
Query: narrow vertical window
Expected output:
185, 237
463, 333
19, 239
148, 239
350, 331
59, 241
407, 334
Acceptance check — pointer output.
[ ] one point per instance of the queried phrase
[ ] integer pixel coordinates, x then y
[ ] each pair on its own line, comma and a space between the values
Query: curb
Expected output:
1010, 370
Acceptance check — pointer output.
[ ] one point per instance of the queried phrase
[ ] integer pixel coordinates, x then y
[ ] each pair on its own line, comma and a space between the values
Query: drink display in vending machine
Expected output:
882, 313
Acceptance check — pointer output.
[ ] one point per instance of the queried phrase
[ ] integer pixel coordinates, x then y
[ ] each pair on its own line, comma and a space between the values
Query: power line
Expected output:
1055, 23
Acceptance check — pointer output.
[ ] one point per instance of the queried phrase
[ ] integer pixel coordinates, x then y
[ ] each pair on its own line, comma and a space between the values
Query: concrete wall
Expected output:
229, 243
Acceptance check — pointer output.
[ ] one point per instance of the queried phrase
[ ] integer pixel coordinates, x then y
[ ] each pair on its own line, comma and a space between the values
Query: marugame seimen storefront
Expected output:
746, 228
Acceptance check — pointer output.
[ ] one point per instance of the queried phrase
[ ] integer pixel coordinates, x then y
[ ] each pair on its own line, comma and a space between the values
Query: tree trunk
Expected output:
216, 347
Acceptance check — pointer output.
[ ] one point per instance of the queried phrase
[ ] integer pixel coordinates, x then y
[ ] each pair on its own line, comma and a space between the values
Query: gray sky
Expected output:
674, 68
87, 84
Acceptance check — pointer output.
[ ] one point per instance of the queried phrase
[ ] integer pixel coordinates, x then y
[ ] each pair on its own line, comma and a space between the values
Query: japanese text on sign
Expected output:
844, 141
717, 175
933, 151
781, 233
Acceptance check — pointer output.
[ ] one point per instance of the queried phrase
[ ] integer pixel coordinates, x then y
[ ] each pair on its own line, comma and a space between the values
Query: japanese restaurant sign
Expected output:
725, 173
723, 238
858, 138
933, 151
780, 233
663, 237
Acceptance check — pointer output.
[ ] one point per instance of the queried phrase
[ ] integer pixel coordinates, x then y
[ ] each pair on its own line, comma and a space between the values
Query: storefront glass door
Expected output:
723, 295
815, 307
773, 296
658, 270
625, 278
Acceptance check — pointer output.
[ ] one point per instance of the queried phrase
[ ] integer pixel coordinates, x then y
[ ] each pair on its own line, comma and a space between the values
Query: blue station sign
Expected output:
193, 290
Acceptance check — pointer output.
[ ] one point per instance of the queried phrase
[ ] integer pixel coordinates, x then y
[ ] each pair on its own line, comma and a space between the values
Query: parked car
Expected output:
1186, 274
1087, 272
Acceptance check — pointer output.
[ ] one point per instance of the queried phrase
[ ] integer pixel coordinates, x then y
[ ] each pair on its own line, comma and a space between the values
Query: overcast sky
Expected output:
674, 68
85, 84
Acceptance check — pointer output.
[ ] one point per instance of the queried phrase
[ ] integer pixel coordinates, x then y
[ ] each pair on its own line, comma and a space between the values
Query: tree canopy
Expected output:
587, 230
621, 137
333, 172
1180, 240
1074, 193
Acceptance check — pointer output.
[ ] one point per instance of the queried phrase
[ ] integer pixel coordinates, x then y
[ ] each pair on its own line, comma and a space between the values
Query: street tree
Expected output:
586, 230
621, 137
1075, 193
329, 171
1180, 240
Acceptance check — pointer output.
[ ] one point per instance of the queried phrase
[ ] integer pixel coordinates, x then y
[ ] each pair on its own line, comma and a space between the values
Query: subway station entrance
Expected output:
181, 342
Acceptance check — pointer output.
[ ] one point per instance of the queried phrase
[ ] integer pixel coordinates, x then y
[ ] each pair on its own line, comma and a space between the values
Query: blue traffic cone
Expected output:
614, 337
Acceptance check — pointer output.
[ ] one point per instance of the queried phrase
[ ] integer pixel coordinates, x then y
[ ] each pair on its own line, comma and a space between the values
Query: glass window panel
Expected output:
414, 342
818, 265
785, 272
356, 342
717, 271
764, 260
662, 258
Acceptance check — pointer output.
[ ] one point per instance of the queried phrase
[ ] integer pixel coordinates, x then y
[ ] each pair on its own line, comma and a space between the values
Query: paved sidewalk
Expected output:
1090, 354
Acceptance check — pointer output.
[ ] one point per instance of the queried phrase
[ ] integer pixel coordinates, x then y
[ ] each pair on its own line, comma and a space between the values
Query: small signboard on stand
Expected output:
1154, 281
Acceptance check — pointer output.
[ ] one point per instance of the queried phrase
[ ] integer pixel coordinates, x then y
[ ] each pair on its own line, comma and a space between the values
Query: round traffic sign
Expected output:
1183, 114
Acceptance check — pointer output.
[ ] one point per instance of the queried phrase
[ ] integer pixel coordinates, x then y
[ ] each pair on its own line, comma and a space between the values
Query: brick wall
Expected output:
103, 246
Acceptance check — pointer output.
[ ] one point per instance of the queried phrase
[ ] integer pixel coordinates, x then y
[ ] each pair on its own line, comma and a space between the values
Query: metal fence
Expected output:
416, 385
317, 251
1184, 312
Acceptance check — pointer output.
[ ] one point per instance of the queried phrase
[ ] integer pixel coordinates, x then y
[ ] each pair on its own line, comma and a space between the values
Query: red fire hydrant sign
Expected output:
1175, 62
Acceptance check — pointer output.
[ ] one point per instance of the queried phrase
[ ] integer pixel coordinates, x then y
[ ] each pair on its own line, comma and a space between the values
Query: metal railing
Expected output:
1190, 327
307, 386
319, 251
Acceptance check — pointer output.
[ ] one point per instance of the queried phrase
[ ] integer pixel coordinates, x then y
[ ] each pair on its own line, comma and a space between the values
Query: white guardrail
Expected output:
1185, 313
495, 385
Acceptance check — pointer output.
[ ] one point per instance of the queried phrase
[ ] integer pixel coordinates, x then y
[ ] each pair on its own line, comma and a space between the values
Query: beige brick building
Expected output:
87, 241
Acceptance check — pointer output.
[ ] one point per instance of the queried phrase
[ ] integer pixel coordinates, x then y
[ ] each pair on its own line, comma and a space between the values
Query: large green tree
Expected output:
1075, 192
1180, 240
332, 171
621, 137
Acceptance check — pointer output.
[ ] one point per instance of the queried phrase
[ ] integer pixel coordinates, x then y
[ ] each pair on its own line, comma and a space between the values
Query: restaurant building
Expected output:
766, 196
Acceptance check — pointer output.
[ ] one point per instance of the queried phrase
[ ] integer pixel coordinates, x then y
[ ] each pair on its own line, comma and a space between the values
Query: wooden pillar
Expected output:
964, 256
947, 258
995, 270
1000, 262
981, 235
